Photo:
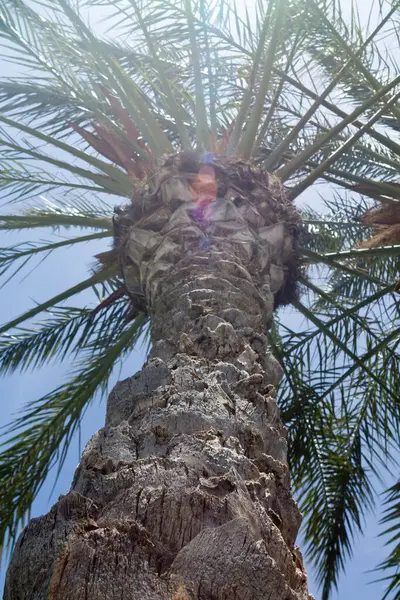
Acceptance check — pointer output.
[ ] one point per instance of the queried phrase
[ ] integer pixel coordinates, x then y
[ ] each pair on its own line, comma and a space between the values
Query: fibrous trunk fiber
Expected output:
185, 493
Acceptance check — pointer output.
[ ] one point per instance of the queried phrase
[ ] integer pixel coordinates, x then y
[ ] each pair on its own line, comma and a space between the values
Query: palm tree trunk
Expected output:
185, 493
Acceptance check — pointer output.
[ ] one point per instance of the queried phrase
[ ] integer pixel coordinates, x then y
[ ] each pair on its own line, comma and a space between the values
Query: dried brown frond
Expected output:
382, 236
121, 291
219, 146
130, 128
108, 259
388, 201
387, 213
126, 149
385, 216
96, 143
374, 191
124, 154
111, 145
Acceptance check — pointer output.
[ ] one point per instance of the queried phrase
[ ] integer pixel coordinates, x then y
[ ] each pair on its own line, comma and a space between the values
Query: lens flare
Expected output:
204, 190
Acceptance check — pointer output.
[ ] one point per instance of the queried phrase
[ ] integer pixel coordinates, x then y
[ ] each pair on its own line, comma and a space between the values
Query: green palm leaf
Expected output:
9, 256
391, 520
41, 436
19, 184
98, 277
79, 213
65, 331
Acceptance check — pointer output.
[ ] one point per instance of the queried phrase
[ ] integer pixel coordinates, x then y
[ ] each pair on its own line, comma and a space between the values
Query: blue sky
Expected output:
62, 270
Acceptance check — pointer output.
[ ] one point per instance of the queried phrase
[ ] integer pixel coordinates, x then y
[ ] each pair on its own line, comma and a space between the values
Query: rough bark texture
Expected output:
185, 493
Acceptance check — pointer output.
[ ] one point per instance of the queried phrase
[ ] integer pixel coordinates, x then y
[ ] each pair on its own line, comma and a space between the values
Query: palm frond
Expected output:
369, 68
201, 112
25, 252
40, 437
65, 331
109, 170
248, 141
55, 214
20, 184
102, 275
331, 160
339, 400
339, 397
21, 153
391, 564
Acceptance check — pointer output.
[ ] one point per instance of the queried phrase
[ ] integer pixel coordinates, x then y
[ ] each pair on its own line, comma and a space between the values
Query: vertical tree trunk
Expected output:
185, 493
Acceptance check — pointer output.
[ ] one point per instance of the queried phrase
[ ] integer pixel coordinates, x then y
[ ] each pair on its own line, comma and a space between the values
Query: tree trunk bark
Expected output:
185, 493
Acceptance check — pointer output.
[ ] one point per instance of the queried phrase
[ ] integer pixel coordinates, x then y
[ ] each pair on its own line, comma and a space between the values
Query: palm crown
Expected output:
98, 117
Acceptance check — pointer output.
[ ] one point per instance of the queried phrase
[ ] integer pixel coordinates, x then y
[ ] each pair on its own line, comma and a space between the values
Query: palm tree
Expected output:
201, 118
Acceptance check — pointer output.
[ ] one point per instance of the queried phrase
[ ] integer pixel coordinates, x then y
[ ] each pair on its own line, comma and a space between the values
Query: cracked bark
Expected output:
185, 493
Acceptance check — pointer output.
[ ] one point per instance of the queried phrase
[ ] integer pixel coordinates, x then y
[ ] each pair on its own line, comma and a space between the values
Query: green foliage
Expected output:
391, 520
40, 438
340, 403
187, 74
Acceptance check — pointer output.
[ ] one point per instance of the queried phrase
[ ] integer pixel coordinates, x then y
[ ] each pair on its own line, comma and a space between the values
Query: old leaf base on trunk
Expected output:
185, 494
